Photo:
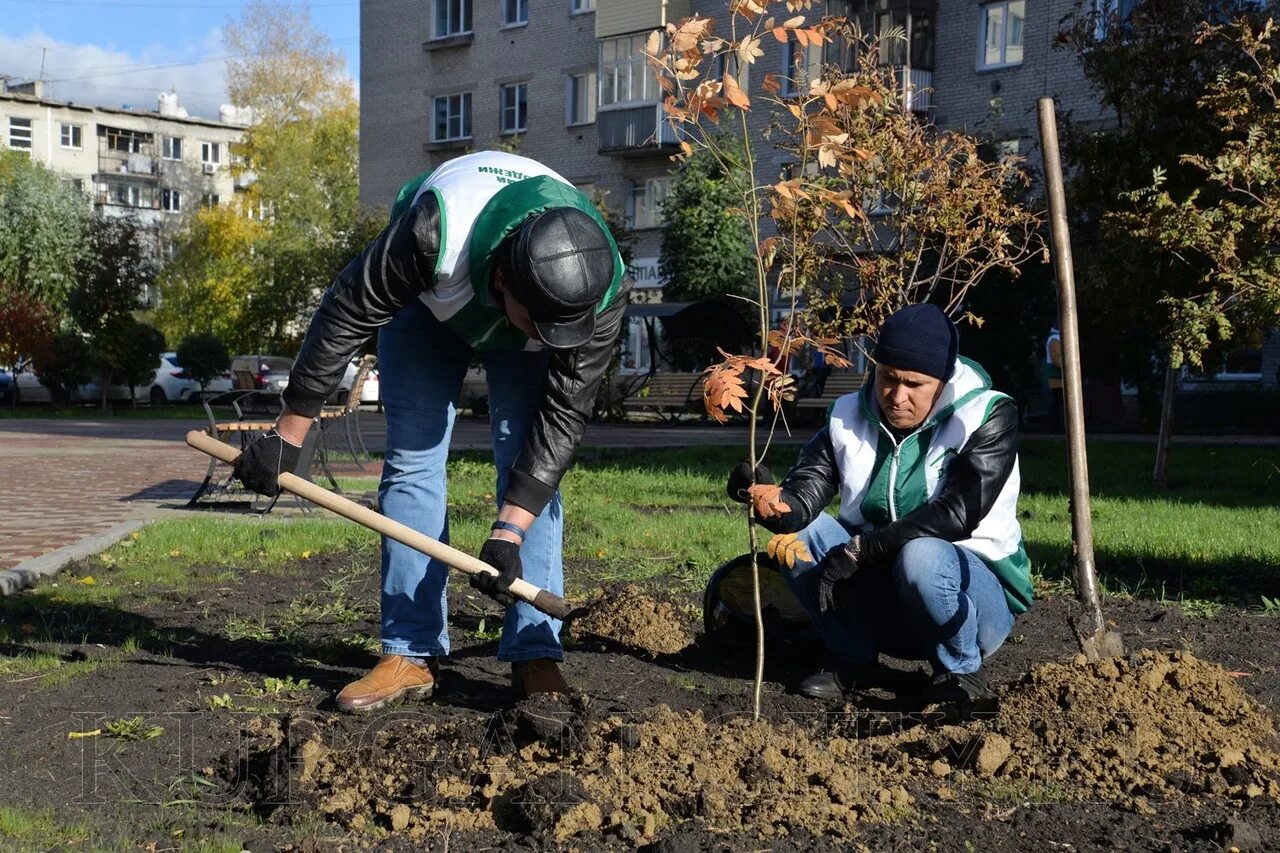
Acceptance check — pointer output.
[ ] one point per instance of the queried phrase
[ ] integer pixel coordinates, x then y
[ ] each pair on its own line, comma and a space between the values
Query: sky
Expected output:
117, 52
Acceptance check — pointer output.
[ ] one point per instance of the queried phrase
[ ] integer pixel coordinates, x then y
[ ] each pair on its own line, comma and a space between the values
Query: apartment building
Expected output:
155, 165
565, 82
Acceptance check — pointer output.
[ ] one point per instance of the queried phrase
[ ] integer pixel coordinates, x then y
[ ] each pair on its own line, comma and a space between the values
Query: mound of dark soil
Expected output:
1125, 732
627, 615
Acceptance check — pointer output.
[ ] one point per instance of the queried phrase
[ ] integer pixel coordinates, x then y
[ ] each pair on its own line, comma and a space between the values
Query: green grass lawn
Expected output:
1213, 536
174, 412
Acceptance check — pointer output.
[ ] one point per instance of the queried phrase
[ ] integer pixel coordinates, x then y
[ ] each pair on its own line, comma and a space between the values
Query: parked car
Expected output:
7, 388
369, 392
28, 387
173, 384
267, 372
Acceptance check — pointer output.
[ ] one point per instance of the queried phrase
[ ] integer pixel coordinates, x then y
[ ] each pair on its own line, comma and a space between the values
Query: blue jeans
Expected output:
421, 365
938, 602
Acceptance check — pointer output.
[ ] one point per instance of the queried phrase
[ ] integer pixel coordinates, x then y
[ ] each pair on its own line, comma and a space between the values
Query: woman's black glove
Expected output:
503, 555
740, 480
838, 565
261, 464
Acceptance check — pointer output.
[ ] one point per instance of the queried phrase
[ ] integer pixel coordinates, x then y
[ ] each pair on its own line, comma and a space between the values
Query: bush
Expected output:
140, 355
203, 357
65, 365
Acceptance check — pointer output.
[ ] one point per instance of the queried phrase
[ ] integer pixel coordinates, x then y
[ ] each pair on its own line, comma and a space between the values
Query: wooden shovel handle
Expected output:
548, 602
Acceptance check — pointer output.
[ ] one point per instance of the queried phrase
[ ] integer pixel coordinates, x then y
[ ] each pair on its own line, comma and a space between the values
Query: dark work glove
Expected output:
839, 564
740, 480
262, 462
503, 555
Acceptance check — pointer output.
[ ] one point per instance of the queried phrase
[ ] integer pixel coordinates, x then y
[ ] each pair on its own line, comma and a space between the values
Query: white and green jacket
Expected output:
954, 477
439, 248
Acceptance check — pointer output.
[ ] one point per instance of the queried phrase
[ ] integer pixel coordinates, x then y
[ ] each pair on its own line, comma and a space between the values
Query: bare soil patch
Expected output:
1171, 749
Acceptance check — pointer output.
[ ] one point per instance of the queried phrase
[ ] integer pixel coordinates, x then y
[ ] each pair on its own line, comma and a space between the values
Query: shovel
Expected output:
548, 602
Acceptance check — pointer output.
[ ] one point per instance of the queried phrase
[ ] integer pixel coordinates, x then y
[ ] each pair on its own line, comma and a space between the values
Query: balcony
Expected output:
132, 164
637, 131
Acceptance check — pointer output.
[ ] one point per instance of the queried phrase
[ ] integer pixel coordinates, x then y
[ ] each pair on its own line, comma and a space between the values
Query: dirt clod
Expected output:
627, 615
543, 802
993, 751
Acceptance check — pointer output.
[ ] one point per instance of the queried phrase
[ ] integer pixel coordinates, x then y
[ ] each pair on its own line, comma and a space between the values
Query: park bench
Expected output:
347, 416
838, 384
670, 395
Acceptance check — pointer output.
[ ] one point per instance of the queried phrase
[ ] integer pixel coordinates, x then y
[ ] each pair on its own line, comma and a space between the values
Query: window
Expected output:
124, 141
514, 106
515, 13
72, 136
172, 149
20, 133
210, 153
452, 117
644, 204
452, 18
129, 195
209, 201
171, 200
802, 65
625, 77
1000, 30
577, 7
580, 95
911, 46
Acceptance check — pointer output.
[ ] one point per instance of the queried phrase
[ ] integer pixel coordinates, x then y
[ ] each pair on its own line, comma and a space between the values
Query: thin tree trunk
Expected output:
1160, 478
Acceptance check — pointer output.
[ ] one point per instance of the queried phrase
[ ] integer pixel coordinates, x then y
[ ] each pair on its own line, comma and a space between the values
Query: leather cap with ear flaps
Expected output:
559, 264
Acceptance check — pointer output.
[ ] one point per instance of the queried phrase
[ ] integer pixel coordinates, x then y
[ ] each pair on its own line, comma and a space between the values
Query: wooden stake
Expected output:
1095, 640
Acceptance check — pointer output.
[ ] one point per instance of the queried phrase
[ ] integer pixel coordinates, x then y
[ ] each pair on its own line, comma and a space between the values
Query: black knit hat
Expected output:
559, 264
919, 338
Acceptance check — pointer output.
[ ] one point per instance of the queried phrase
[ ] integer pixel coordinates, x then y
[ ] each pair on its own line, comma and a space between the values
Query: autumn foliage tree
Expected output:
878, 210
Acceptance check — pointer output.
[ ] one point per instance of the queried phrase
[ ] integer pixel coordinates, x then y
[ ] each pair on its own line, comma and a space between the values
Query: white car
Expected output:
169, 384
369, 392
172, 384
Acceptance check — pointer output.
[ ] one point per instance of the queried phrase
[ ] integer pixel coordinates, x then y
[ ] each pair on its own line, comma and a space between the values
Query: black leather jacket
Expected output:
393, 270
975, 478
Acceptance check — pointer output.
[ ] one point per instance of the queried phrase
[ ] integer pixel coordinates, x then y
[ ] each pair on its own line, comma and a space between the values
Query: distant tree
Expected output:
302, 149
706, 245
26, 326
44, 225
140, 356
210, 284
64, 364
114, 278
1224, 230
203, 357
1150, 67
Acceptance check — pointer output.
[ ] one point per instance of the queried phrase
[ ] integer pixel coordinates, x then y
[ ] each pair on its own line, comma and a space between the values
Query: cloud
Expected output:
89, 74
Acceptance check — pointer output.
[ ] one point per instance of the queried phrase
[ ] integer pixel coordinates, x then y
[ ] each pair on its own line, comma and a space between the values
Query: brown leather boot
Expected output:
537, 676
393, 677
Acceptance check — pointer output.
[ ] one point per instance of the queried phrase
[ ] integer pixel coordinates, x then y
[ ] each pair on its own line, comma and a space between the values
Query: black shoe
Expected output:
834, 681
956, 687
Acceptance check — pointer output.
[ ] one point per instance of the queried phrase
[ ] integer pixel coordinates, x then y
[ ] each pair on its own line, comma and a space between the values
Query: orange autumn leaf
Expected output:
787, 549
767, 500
723, 390
733, 93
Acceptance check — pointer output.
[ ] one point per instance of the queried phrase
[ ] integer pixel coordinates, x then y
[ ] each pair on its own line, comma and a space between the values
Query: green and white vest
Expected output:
482, 198
882, 479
